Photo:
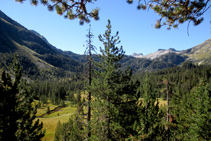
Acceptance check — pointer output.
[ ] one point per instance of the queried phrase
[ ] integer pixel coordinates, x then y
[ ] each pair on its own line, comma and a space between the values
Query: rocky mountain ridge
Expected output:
199, 54
155, 55
38, 57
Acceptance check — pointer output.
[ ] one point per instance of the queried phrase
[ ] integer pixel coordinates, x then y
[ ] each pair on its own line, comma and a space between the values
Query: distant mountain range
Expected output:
200, 54
41, 59
155, 55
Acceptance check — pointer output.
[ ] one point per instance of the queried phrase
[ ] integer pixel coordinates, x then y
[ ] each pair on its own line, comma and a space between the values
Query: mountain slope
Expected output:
161, 52
200, 54
37, 56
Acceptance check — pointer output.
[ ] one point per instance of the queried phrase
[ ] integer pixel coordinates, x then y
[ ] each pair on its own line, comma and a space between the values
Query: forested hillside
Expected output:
38, 57
100, 97
168, 104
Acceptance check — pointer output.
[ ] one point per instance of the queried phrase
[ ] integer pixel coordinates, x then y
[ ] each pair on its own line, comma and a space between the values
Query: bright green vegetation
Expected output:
124, 105
50, 120
187, 84
63, 114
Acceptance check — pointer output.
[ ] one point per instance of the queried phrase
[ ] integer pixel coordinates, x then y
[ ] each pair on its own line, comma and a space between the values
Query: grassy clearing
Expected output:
63, 111
63, 114
42, 110
50, 120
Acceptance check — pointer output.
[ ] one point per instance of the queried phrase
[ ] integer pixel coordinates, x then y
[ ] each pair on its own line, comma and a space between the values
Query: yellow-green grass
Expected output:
42, 110
49, 124
50, 120
160, 100
63, 114
62, 111
84, 94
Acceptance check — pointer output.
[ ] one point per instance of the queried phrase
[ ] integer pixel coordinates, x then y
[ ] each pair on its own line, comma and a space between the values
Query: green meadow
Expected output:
62, 114
50, 120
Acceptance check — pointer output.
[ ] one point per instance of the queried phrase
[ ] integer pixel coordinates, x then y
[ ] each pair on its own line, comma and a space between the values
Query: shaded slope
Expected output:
37, 56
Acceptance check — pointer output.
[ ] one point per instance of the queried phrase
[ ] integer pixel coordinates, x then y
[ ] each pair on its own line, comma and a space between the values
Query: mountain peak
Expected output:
157, 54
161, 49
172, 49
137, 55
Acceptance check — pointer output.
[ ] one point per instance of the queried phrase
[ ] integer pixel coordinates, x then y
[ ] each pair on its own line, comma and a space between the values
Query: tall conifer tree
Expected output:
201, 100
150, 116
89, 51
114, 90
17, 113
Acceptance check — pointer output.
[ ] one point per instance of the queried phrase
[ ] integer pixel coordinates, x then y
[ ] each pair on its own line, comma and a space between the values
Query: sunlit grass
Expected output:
63, 114
50, 120
62, 111
160, 100
42, 110
50, 123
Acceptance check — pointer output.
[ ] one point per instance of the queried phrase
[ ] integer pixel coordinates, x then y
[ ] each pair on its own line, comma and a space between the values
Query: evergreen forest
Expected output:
106, 101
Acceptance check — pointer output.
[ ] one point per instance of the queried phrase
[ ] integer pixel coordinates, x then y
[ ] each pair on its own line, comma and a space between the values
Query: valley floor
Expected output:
62, 114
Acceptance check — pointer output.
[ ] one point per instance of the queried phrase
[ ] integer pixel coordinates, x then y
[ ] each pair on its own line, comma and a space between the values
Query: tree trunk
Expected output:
168, 98
108, 119
89, 83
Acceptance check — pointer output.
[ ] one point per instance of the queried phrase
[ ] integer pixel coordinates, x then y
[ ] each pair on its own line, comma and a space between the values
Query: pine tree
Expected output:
83, 128
48, 109
173, 12
8, 103
150, 116
89, 51
17, 113
71, 130
113, 90
181, 111
58, 132
201, 99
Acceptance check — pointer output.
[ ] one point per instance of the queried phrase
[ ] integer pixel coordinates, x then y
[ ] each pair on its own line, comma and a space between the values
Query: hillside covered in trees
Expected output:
109, 101
42, 60
50, 94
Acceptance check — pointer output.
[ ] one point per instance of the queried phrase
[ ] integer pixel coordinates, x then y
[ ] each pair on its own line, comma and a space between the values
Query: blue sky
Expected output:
135, 27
